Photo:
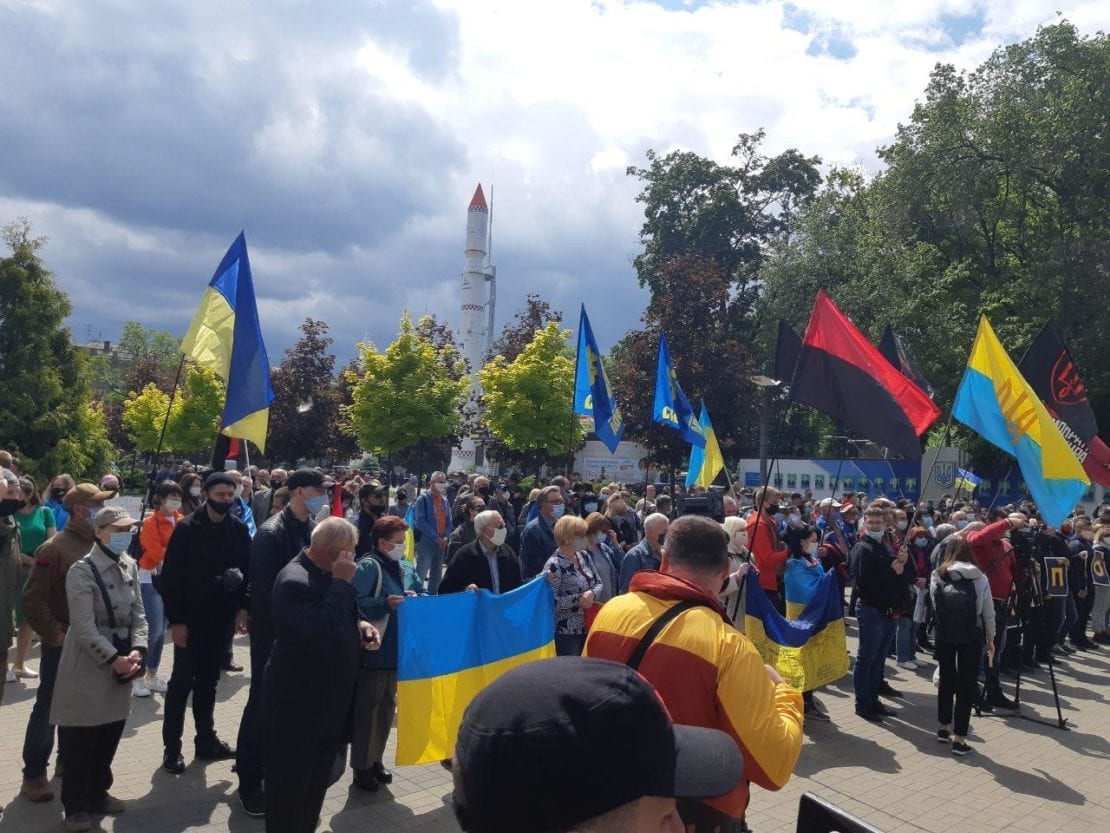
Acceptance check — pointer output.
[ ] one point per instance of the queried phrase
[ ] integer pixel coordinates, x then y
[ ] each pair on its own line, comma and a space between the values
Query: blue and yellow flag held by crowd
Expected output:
225, 336
672, 408
995, 400
967, 481
593, 395
451, 647
809, 651
705, 463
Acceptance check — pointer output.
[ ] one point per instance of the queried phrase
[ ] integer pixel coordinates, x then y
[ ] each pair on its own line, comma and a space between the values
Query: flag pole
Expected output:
162, 438
1005, 479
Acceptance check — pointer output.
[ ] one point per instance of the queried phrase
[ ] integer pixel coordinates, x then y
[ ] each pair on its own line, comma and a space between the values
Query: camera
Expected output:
710, 505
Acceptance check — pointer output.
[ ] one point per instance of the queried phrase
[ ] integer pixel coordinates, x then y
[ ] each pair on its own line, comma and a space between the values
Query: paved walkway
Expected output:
1021, 777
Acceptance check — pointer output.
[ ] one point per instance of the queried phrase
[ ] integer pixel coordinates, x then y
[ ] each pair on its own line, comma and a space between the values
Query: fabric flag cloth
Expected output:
593, 395
705, 463
451, 647
801, 582
810, 651
967, 481
225, 336
410, 534
894, 350
787, 348
1053, 374
337, 501
995, 400
672, 408
841, 373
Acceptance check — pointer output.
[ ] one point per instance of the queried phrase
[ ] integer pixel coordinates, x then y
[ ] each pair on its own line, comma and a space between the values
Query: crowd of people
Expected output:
311, 566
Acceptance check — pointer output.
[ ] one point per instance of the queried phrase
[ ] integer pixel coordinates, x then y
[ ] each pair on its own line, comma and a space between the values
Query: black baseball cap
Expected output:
597, 719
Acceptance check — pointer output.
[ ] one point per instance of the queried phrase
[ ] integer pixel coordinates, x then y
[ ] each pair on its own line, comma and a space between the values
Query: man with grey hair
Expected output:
537, 542
648, 554
432, 527
486, 563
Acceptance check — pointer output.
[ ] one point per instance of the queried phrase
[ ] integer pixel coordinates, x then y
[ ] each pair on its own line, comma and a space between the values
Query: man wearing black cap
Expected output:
204, 590
372, 500
278, 542
598, 722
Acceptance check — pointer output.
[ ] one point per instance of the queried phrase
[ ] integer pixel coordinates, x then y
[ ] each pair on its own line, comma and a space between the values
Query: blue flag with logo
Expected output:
593, 395
672, 408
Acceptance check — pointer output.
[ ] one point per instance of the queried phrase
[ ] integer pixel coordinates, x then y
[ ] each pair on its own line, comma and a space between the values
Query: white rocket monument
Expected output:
476, 324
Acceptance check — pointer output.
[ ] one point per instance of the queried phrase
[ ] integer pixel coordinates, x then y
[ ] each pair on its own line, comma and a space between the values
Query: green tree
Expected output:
527, 403
404, 395
45, 411
197, 408
518, 333
144, 414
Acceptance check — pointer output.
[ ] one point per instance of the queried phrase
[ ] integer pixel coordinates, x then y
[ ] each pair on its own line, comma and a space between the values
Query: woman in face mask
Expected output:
919, 546
802, 576
606, 554
192, 490
102, 654
1100, 564
54, 497
36, 526
739, 565
154, 538
382, 582
576, 583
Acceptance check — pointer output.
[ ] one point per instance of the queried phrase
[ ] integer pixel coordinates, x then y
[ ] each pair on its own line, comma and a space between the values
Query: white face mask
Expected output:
811, 548
172, 505
741, 540
395, 552
902, 525
499, 536
601, 537
195, 491
441, 487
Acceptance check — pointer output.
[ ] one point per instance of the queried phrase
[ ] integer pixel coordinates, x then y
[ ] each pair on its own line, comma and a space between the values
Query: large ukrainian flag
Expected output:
225, 336
809, 651
451, 647
995, 400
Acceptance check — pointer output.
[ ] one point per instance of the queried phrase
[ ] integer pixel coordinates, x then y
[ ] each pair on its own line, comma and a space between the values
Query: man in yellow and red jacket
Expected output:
707, 672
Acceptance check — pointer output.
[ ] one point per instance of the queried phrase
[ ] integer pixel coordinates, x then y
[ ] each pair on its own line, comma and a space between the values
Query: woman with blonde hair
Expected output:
576, 583
739, 565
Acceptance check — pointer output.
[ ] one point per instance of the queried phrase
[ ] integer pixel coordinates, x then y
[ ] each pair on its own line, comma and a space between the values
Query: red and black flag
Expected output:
894, 349
787, 348
1049, 368
842, 374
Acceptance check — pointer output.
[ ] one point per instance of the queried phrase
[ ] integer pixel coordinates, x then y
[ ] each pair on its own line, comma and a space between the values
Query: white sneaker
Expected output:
10, 676
27, 673
909, 665
157, 684
139, 689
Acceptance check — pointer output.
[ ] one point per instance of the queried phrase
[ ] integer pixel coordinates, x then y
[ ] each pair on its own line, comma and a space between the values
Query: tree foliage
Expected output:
518, 333
406, 394
144, 414
194, 415
527, 403
46, 416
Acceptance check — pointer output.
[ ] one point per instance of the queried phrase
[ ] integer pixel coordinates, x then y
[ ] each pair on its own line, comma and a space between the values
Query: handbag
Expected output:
123, 646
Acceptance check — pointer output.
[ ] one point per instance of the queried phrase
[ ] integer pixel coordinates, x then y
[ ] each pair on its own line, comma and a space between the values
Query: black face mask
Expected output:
58, 494
662, 537
219, 507
9, 506
773, 509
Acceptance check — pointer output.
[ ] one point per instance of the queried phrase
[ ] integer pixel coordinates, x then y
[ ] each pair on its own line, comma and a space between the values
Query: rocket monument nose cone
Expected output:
478, 202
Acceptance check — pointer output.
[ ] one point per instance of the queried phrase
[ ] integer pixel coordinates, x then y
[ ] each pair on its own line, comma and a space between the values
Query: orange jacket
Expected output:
768, 551
708, 674
154, 537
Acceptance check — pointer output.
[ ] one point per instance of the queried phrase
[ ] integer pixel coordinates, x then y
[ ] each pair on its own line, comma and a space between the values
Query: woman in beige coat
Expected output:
102, 653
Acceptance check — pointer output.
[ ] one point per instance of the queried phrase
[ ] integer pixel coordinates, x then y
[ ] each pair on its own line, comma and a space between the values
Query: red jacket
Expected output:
767, 549
994, 557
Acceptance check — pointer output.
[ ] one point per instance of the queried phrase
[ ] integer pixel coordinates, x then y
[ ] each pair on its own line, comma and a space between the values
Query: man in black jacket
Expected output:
486, 563
203, 585
278, 542
882, 580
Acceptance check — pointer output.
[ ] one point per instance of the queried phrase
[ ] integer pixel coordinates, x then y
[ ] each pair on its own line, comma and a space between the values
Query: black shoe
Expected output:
998, 700
943, 736
254, 804
960, 748
1067, 649
383, 775
173, 762
232, 667
365, 780
446, 763
925, 645
886, 691
1088, 645
884, 710
216, 750
813, 712
870, 717
1030, 665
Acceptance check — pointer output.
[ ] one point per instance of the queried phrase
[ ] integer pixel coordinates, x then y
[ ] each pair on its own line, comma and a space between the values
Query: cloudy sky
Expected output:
347, 137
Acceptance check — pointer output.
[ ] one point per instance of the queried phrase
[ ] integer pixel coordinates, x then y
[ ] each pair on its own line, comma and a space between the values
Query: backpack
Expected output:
957, 611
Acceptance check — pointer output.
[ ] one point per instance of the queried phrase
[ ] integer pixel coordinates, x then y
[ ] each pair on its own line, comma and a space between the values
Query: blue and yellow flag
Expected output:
672, 408
967, 481
451, 647
705, 463
225, 336
995, 400
809, 651
593, 395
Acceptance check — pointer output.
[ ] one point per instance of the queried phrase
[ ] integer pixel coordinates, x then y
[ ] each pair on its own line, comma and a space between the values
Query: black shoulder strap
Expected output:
656, 628
103, 594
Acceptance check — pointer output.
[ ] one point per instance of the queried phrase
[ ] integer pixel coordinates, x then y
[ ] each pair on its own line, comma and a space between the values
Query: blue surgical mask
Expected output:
315, 504
557, 510
877, 536
927, 520
120, 541
960, 524
590, 507
921, 542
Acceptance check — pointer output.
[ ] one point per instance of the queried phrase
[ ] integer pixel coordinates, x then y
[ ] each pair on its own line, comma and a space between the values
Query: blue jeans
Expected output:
876, 632
904, 638
1070, 617
156, 626
429, 563
38, 743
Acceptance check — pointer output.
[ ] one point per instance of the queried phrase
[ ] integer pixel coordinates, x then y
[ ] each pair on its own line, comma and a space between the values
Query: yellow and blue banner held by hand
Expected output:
810, 651
451, 647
